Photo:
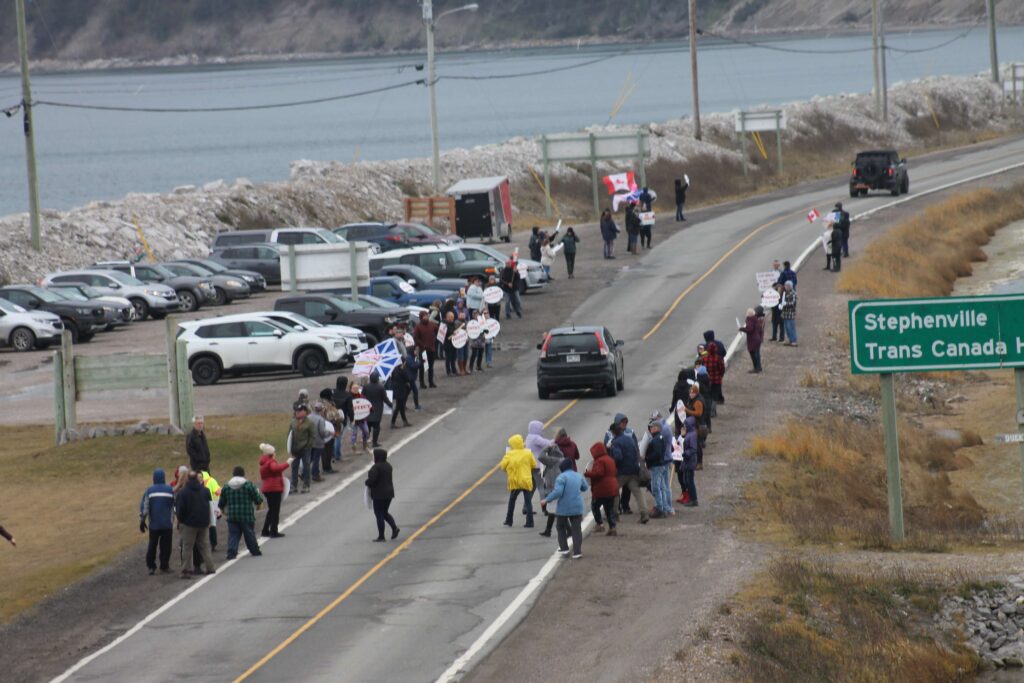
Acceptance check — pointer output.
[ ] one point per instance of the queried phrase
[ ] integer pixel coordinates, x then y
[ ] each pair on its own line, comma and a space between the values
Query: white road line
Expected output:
294, 517
456, 669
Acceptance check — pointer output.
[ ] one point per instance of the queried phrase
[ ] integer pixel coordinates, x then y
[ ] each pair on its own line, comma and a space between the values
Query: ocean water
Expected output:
85, 155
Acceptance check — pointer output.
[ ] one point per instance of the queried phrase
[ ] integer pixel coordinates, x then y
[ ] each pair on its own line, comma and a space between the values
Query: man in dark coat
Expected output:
509, 282
680, 199
157, 506
380, 482
609, 231
424, 336
536, 238
632, 229
196, 447
835, 245
715, 363
193, 510
374, 393
843, 221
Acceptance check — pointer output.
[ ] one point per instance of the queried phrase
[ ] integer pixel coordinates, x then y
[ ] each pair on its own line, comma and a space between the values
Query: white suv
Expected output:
23, 330
246, 343
149, 300
354, 339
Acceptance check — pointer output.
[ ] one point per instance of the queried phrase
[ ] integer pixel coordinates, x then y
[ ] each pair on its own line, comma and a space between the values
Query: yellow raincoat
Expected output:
518, 465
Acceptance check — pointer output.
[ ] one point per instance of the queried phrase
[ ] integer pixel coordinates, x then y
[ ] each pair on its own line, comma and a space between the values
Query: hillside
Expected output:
143, 30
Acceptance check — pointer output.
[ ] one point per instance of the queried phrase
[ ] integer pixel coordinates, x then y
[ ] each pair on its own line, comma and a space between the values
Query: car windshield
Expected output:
125, 278
212, 266
346, 305
421, 276
192, 269
69, 293
457, 256
161, 269
371, 300
329, 236
294, 320
7, 306
487, 252
45, 294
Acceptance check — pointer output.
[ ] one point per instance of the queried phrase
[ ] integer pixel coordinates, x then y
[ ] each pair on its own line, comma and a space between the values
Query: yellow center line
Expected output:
383, 562
707, 273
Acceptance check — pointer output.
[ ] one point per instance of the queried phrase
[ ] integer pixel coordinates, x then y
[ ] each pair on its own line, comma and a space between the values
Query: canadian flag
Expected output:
620, 182
813, 215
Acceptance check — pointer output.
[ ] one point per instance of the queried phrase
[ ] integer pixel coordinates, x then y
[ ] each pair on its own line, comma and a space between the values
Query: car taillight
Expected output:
544, 348
490, 271
855, 174
393, 238
601, 345
890, 171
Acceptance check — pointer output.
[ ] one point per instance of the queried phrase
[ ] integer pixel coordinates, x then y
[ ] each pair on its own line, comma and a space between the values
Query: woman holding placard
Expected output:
445, 337
477, 341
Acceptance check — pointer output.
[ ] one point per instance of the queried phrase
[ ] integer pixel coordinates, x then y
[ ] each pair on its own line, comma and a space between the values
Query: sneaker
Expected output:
564, 553
644, 519
507, 523
612, 532
265, 534
379, 540
546, 534
599, 528
277, 535
577, 556
152, 570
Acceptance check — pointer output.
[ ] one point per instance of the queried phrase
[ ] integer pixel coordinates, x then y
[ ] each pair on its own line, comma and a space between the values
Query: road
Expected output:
325, 604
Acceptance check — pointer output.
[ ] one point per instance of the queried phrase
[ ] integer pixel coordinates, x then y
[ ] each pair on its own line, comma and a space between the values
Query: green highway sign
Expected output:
948, 333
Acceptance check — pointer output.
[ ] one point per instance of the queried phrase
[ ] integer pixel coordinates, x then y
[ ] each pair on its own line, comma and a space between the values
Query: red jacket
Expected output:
569, 449
715, 364
424, 335
270, 474
602, 475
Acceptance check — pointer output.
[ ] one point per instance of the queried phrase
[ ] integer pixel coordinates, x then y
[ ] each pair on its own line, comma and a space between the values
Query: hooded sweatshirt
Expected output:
518, 464
380, 478
602, 473
551, 459
343, 398
628, 431
535, 440
239, 499
626, 454
569, 449
193, 505
270, 474
157, 503
568, 491
690, 444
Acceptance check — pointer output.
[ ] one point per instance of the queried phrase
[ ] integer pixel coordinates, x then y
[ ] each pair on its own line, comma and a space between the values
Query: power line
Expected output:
541, 72
796, 50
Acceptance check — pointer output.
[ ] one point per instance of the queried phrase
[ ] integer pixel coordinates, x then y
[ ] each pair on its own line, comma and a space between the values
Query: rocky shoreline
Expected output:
329, 193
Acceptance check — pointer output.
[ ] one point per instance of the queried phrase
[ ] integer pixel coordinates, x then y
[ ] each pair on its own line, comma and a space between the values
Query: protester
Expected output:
381, 486
333, 419
322, 433
375, 393
752, 328
196, 447
696, 407
518, 464
626, 454
477, 347
213, 486
272, 485
157, 505
715, 363
192, 508
239, 500
400, 386
302, 438
778, 329
567, 495
689, 464
412, 368
657, 456
547, 258
569, 242
474, 295
609, 436
787, 275
835, 245
568, 447
843, 221
461, 355
609, 231
342, 398
424, 336
510, 283
359, 427
550, 458
632, 229
536, 240
645, 229
789, 313
536, 442
604, 483
493, 310
680, 199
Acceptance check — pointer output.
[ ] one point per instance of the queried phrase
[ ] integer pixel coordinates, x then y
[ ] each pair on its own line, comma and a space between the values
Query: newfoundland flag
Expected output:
620, 182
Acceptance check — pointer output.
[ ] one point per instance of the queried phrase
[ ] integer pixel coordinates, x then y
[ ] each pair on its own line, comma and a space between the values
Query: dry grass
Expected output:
818, 624
926, 254
75, 508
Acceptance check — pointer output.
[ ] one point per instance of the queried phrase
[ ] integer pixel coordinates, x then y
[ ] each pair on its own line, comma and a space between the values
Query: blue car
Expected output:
396, 289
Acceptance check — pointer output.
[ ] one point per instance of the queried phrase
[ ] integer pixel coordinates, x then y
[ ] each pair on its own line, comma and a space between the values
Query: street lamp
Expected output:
429, 20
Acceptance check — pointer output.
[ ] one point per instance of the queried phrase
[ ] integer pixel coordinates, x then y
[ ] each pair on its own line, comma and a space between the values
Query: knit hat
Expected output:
303, 393
267, 449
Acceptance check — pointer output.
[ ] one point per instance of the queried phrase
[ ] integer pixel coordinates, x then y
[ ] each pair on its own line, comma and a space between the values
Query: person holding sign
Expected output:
360, 411
424, 336
681, 198
568, 244
510, 279
493, 296
477, 341
451, 368
547, 257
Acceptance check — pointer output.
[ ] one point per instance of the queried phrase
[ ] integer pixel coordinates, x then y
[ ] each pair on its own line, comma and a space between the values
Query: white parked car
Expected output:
354, 339
247, 343
23, 330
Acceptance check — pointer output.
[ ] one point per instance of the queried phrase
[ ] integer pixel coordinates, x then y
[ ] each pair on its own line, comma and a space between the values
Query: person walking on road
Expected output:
381, 486
302, 438
680, 199
193, 509
157, 506
196, 447
550, 459
626, 454
604, 483
569, 242
518, 464
272, 486
375, 393
789, 312
239, 500
752, 328
567, 494
609, 231
568, 447
657, 456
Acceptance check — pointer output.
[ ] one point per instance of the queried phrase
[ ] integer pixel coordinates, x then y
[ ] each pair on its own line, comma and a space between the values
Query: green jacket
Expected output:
569, 243
239, 499
302, 435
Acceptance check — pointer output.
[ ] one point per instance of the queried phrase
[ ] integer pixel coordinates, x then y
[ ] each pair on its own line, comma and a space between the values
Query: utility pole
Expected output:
26, 108
993, 53
878, 51
428, 20
693, 69
881, 58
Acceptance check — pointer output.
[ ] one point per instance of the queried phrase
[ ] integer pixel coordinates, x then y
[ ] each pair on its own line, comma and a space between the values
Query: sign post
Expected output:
772, 120
889, 336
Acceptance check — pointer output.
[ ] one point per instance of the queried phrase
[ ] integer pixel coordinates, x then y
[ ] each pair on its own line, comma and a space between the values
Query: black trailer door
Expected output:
473, 216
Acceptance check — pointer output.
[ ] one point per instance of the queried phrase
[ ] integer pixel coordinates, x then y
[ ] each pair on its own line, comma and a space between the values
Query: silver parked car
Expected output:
23, 330
149, 300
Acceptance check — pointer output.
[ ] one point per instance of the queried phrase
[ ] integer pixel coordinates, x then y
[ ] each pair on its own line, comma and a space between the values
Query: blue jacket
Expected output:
690, 444
568, 491
787, 275
158, 503
626, 454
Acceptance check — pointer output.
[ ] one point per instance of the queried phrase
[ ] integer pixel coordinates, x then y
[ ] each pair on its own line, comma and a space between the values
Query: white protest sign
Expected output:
460, 338
473, 329
766, 279
361, 408
739, 325
409, 342
646, 218
493, 295
521, 267
492, 326
442, 332
686, 179
770, 298
406, 287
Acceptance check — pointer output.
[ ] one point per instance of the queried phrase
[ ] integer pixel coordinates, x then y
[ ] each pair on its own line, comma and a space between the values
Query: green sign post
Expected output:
923, 335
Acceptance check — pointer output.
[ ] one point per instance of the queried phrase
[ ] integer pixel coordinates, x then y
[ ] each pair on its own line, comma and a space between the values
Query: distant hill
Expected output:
86, 30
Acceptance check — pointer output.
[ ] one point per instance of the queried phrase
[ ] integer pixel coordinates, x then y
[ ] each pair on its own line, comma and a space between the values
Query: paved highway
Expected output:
325, 604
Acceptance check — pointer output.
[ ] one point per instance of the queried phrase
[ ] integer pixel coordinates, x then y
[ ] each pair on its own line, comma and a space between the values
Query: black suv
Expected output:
83, 319
387, 236
879, 170
580, 358
328, 309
